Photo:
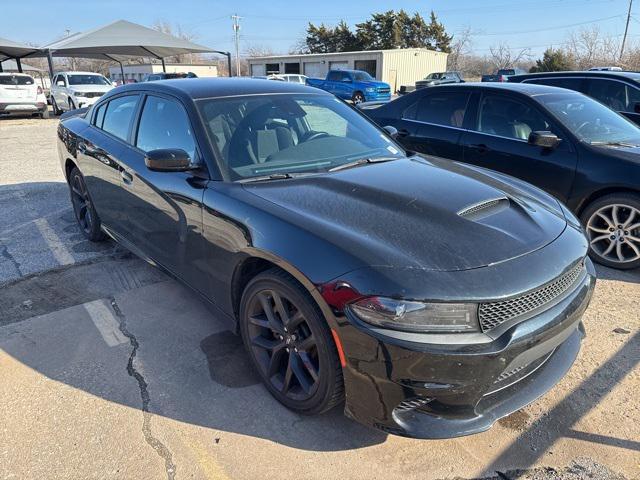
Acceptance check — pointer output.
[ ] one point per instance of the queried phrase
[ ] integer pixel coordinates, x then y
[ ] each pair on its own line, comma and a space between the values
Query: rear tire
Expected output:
612, 225
83, 208
290, 343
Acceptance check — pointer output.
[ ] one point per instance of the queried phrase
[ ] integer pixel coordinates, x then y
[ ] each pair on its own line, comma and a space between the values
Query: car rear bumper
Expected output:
21, 107
442, 390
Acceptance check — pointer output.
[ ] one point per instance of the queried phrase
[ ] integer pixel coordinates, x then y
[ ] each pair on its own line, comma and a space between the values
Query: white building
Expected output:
137, 72
396, 67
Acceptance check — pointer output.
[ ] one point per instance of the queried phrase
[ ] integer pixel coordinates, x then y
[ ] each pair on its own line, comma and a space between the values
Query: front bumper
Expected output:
377, 96
22, 107
82, 102
445, 389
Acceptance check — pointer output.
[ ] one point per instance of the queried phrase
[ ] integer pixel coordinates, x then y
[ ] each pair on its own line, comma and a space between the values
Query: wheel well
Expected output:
601, 193
243, 275
68, 166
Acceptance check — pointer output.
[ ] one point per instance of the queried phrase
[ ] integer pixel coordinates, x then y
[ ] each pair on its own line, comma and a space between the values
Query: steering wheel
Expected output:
583, 125
315, 135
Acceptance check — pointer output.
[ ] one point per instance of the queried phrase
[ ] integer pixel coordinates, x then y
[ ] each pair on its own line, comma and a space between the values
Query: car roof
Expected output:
635, 76
529, 89
196, 88
78, 73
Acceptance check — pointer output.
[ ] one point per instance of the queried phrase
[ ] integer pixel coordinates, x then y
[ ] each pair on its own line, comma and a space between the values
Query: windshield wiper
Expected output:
266, 178
614, 144
362, 161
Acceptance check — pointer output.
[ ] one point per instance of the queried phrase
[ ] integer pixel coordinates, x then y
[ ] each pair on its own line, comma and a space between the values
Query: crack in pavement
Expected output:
5, 253
155, 443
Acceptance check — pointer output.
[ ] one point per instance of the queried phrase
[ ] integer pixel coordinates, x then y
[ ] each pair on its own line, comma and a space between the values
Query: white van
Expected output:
19, 94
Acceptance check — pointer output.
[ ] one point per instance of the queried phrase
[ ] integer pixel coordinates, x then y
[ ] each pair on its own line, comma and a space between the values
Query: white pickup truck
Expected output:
19, 94
71, 90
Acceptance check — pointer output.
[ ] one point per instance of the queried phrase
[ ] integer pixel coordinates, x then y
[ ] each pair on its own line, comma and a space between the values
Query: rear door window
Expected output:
119, 114
568, 83
610, 92
442, 108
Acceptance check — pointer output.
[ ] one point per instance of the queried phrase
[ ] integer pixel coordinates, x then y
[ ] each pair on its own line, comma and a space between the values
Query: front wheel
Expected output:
83, 208
357, 98
56, 110
612, 225
290, 344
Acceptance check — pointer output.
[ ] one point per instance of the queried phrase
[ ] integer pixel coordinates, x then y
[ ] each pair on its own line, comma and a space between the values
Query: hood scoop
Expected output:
484, 209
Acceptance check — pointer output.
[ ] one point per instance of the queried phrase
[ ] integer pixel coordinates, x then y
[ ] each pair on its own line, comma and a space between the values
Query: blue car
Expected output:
355, 85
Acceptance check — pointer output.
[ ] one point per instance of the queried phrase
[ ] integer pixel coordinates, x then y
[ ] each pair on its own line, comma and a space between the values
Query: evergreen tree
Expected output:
553, 61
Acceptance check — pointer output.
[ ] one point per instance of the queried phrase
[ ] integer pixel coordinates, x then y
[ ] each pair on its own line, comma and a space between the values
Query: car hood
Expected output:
374, 84
418, 213
90, 88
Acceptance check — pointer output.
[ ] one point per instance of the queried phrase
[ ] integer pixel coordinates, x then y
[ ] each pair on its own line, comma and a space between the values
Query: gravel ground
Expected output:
111, 370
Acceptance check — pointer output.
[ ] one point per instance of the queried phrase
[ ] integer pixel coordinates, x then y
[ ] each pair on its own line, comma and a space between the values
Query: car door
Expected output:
164, 209
498, 140
100, 153
433, 124
617, 95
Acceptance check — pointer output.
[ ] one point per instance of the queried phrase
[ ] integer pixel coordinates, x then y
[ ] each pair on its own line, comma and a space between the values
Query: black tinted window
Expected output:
117, 118
164, 124
614, 94
568, 83
15, 80
100, 115
445, 108
509, 118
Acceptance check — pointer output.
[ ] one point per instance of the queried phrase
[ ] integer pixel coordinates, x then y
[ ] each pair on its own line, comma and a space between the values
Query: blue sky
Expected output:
278, 24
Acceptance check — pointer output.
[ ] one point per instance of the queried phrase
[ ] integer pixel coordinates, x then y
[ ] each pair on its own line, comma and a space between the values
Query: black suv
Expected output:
619, 91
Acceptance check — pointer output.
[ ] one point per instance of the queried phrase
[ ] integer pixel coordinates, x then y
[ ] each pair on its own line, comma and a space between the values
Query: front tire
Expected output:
56, 110
83, 208
290, 344
358, 98
612, 225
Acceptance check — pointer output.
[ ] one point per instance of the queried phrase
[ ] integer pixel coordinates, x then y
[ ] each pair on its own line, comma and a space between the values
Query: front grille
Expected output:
508, 378
412, 403
92, 94
493, 314
384, 90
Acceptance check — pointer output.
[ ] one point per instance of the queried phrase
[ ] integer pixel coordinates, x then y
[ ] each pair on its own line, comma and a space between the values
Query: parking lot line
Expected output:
106, 323
58, 249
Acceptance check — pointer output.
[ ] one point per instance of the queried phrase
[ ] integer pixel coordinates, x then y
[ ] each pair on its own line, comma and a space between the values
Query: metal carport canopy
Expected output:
120, 40
9, 49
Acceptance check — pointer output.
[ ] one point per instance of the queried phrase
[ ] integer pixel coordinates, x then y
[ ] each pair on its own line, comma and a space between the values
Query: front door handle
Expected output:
480, 148
126, 177
403, 132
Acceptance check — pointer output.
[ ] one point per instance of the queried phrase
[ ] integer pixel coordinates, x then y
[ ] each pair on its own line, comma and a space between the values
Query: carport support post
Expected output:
122, 72
164, 67
50, 61
19, 64
1, 70
228, 54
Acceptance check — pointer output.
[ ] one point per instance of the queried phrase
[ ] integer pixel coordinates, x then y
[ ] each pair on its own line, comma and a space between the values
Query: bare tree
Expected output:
461, 51
590, 48
177, 31
258, 50
501, 56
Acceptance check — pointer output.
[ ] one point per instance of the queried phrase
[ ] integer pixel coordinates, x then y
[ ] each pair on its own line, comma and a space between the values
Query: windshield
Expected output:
589, 120
262, 135
87, 80
508, 71
434, 76
363, 77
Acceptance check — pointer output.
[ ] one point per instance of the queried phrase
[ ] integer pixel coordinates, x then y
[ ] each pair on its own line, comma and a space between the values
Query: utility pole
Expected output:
626, 29
236, 30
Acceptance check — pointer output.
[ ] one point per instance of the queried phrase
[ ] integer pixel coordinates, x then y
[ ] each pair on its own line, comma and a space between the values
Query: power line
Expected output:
558, 27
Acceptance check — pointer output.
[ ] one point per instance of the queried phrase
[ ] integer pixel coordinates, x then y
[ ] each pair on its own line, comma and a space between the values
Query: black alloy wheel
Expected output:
290, 344
85, 213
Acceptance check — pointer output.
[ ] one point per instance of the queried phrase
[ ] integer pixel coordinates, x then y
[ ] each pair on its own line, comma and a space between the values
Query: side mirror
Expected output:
168, 160
60, 83
544, 139
392, 131
115, 84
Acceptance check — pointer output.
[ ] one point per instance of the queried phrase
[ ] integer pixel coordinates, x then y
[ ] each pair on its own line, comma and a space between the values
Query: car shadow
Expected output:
628, 276
193, 369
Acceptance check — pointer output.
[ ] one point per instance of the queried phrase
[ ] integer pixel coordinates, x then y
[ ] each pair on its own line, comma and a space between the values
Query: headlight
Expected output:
370, 89
417, 316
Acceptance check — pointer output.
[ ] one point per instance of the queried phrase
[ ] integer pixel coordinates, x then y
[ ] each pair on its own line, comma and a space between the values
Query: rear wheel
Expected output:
290, 344
612, 224
358, 97
85, 213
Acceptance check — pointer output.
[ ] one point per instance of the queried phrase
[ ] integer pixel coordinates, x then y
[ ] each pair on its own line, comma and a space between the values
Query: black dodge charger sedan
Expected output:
429, 297
570, 145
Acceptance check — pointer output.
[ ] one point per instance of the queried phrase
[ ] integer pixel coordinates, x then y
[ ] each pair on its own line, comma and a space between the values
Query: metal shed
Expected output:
396, 67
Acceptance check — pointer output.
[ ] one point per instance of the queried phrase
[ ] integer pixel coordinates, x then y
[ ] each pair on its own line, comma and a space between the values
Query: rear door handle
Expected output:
126, 177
